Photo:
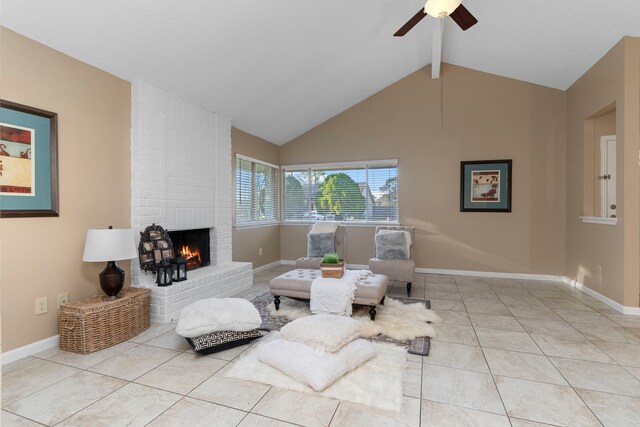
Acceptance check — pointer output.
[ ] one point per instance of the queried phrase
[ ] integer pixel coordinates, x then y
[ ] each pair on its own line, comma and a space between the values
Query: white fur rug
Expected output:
377, 383
393, 319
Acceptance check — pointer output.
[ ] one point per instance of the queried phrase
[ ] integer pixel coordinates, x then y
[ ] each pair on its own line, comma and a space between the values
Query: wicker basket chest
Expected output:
95, 323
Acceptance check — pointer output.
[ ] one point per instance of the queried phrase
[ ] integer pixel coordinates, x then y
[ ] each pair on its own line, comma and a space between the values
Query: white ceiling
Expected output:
280, 67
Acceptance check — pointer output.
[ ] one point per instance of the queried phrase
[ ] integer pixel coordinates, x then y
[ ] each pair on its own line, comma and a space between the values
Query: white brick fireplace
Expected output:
181, 179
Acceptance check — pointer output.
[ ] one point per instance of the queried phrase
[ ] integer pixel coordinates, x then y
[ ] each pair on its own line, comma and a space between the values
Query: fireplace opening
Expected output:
193, 245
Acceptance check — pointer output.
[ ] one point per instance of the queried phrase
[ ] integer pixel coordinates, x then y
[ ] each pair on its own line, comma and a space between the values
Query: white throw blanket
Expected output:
325, 227
335, 296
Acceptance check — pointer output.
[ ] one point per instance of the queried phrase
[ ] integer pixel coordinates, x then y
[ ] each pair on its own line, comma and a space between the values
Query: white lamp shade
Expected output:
441, 8
109, 245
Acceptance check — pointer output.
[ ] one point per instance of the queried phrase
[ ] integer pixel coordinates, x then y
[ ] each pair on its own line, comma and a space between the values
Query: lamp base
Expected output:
112, 280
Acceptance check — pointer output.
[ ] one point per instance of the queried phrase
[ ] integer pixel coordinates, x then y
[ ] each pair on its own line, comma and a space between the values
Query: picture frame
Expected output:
167, 254
485, 185
146, 258
28, 161
155, 248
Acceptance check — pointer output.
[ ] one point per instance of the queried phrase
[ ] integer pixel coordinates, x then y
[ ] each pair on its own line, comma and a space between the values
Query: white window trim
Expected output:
599, 220
256, 224
265, 223
337, 165
251, 159
344, 223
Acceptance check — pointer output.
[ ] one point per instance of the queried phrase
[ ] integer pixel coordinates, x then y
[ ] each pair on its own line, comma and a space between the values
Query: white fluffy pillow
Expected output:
316, 369
217, 314
323, 331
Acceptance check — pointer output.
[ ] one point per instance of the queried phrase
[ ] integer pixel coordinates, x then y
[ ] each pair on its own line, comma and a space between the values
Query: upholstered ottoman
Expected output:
297, 284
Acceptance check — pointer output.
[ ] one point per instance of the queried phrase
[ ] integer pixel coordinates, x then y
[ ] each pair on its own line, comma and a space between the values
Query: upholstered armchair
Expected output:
313, 262
402, 270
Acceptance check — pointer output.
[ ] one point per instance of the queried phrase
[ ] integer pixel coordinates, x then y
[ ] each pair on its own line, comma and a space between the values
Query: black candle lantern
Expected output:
180, 269
165, 277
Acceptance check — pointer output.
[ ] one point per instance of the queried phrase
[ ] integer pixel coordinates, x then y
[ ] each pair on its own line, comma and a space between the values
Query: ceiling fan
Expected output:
441, 9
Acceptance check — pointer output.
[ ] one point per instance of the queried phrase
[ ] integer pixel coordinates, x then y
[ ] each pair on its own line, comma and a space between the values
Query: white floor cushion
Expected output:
323, 331
218, 314
314, 368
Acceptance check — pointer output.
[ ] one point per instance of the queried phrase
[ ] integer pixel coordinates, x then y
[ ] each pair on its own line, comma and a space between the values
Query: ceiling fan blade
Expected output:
463, 18
410, 23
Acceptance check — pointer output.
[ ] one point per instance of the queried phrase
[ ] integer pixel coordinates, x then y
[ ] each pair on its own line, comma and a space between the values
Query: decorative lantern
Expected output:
180, 268
165, 277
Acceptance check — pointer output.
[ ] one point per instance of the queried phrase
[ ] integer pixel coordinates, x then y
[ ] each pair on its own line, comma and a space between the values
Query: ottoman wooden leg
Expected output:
276, 302
408, 289
372, 312
382, 300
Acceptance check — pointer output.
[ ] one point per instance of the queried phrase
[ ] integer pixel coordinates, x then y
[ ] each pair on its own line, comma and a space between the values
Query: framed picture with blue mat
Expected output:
28, 161
485, 186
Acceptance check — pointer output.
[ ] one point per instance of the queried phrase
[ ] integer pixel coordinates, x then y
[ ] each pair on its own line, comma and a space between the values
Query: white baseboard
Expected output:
632, 311
497, 275
358, 266
36, 347
623, 309
267, 266
30, 349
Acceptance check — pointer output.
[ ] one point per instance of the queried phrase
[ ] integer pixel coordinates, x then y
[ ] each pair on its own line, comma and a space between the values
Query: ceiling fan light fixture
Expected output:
441, 8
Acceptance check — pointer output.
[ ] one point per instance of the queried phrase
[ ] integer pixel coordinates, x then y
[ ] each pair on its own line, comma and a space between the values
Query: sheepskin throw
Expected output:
391, 244
325, 227
316, 369
323, 332
218, 314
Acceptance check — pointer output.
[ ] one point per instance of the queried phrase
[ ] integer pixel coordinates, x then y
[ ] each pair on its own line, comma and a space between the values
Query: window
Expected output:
359, 192
256, 191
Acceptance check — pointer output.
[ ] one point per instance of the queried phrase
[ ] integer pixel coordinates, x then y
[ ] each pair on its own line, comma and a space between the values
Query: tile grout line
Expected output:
23, 417
495, 384
553, 364
182, 396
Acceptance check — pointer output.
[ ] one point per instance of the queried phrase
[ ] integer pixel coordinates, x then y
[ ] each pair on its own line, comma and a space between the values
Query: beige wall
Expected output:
43, 256
248, 241
478, 117
605, 258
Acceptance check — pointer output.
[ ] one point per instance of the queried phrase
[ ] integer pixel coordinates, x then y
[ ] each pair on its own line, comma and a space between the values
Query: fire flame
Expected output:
190, 255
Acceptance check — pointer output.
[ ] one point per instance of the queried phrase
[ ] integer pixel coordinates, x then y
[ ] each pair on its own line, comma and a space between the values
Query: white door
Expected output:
608, 175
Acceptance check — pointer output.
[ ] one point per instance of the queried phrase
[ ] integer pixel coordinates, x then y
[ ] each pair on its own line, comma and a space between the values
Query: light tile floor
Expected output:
509, 352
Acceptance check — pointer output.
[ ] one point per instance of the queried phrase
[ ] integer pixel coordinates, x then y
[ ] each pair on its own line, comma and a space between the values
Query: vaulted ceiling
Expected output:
280, 67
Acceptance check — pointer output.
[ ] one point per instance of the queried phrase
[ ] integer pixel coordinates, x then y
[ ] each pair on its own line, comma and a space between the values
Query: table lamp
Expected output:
110, 245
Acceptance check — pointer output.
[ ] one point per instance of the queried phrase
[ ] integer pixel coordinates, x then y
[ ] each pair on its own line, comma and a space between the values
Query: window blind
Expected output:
364, 191
256, 191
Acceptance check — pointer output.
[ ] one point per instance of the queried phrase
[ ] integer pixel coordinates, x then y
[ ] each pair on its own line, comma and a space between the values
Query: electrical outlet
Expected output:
41, 306
260, 251
63, 299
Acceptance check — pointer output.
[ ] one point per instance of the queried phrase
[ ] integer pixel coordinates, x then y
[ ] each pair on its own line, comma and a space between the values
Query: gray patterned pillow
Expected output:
319, 244
393, 244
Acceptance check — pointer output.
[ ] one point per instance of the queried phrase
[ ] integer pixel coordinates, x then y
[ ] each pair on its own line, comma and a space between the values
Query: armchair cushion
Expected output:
394, 269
